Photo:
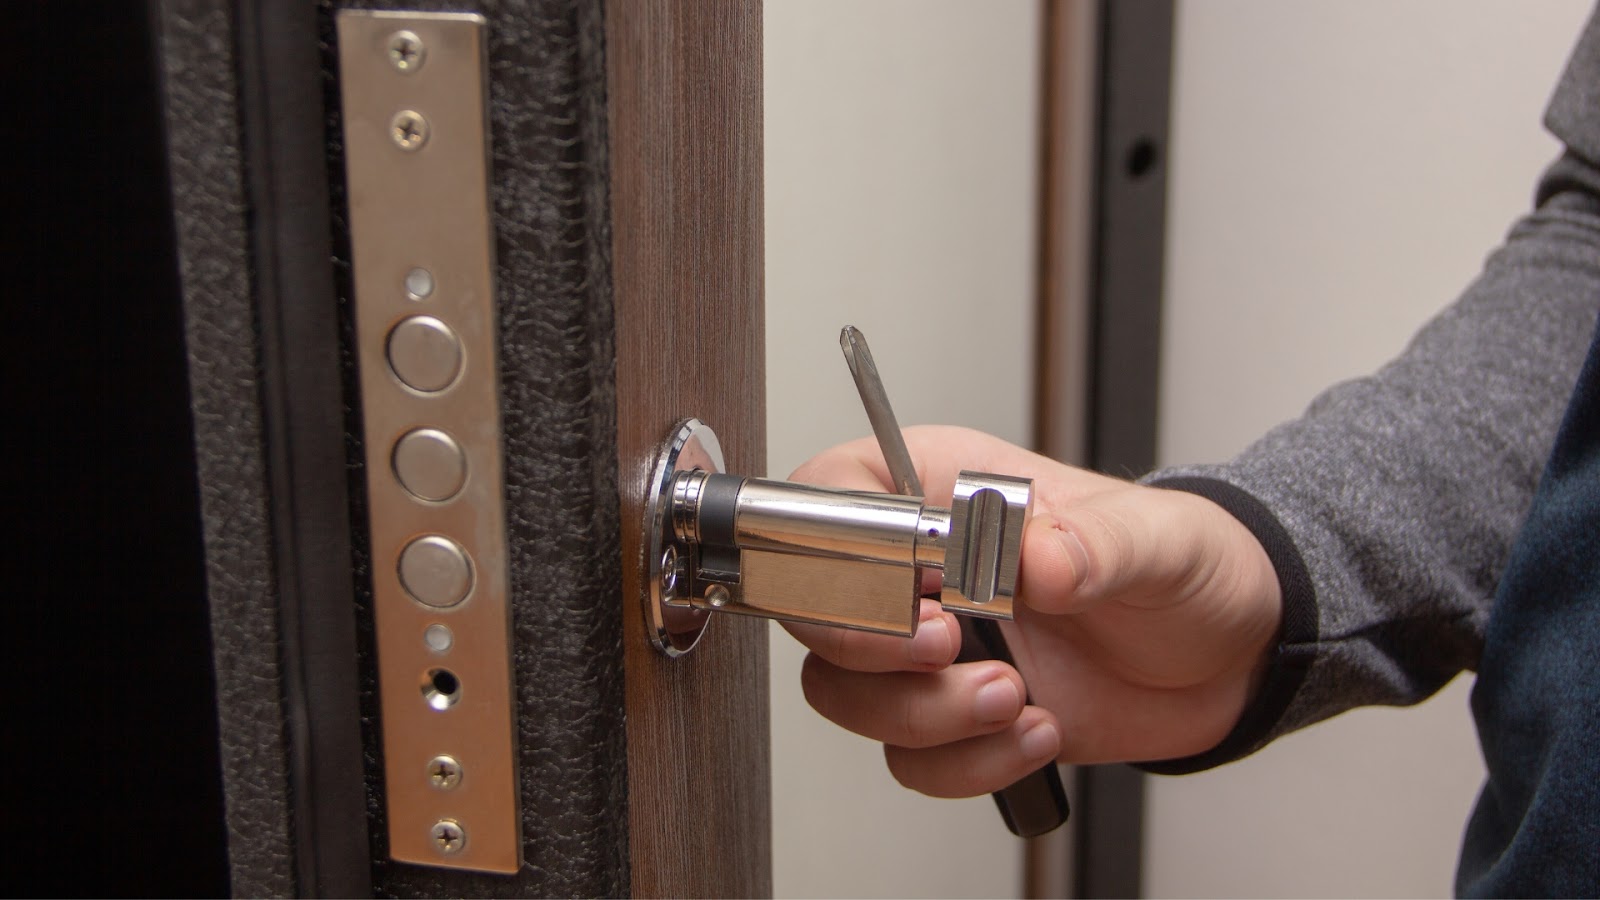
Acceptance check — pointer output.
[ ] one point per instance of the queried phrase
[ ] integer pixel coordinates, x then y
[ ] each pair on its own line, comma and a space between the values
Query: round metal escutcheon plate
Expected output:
674, 629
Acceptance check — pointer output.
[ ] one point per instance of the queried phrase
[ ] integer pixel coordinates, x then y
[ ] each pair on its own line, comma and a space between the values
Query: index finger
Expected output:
934, 647
854, 466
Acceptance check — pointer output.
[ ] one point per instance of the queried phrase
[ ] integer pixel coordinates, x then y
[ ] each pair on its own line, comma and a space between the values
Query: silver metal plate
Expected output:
674, 627
416, 156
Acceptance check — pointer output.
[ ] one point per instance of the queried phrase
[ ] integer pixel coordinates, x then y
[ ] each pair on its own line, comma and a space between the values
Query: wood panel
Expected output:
684, 80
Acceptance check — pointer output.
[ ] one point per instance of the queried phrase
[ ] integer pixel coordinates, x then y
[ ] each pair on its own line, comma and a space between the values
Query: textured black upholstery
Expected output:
211, 218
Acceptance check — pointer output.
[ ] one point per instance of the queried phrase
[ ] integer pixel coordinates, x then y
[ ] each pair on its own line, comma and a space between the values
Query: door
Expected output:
621, 204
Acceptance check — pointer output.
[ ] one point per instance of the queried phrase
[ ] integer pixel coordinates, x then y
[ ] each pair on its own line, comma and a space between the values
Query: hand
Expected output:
1143, 627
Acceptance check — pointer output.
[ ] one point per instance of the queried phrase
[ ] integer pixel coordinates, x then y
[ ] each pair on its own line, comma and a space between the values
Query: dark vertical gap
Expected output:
115, 783
377, 825
1045, 214
285, 160
1130, 214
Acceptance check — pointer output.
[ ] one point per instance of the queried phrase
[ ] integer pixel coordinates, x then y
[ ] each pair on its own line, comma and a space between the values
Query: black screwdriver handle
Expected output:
1037, 803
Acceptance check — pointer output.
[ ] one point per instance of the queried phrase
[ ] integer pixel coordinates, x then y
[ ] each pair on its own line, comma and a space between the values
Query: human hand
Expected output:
1142, 629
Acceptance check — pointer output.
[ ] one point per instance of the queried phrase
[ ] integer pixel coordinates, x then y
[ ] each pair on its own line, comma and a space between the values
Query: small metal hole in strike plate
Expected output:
419, 284
441, 689
439, 638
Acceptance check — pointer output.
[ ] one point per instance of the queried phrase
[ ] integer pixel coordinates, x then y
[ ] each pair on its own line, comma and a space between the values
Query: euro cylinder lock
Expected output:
718, 542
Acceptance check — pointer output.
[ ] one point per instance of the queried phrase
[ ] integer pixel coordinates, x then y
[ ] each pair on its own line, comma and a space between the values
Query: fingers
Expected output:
856, 466
916, 709
979, 765
1055, 564
939, 452
935, 645
1133, 543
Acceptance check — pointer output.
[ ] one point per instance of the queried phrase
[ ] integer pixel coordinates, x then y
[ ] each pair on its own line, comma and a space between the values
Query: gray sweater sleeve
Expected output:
1390, 507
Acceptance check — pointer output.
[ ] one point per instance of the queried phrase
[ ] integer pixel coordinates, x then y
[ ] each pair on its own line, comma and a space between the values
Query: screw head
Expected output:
444, 772
409, 130
669, 572
448, 836
718, 596
406, 51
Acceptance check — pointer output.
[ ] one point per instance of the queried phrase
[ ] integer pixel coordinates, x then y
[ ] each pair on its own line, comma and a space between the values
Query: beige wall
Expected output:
900, 179
1340, 170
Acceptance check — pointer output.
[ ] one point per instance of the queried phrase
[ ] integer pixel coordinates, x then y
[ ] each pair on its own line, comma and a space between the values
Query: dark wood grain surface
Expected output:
686, 193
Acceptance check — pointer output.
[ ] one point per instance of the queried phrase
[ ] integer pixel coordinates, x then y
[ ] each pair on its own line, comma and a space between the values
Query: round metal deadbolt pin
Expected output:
430, 464
424, 353
436, 571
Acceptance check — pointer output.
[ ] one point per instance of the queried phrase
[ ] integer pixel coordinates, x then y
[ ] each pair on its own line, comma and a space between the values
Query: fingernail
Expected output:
1080, 557
931, 646
1040, 742
998, 701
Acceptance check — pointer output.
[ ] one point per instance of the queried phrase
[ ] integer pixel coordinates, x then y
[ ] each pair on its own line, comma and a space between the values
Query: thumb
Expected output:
1138, 540
1055, 564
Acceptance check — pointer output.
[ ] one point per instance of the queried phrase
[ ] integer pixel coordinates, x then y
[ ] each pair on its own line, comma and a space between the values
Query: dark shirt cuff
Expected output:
1297, 634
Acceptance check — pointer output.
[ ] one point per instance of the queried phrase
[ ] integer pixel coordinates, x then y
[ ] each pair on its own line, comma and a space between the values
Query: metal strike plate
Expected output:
415, 143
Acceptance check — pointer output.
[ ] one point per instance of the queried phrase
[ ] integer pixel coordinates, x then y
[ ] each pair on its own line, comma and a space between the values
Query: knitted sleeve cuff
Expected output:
1291, 658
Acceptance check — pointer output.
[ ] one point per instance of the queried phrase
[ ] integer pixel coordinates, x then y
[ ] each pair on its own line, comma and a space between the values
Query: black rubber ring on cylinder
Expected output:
718, 498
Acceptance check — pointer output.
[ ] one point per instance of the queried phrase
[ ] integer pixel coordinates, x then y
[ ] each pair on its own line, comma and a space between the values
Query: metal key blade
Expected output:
1038, 803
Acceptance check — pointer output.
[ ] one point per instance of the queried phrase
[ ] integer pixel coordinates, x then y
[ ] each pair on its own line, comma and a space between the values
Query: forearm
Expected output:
1395, 498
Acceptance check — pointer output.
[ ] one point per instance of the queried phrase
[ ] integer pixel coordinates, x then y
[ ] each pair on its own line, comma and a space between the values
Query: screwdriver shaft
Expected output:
876, 400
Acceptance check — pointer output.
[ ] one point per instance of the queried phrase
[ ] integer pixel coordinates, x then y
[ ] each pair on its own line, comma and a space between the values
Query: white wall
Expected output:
1339, 171
899, 198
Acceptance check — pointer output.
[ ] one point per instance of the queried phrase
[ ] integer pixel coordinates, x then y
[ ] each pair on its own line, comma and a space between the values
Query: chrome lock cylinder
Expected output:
851, 559
802, 553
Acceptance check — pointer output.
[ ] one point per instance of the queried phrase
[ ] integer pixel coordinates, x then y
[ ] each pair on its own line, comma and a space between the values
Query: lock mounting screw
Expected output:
444, 772
448, 836
409, 130
669, 572
718, 596
406, 51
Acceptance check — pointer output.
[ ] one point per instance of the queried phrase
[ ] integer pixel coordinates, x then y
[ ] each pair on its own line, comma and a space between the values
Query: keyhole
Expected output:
441, 689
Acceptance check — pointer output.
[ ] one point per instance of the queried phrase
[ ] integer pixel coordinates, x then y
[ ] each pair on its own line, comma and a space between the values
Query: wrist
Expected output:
1285, 624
